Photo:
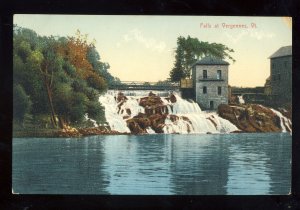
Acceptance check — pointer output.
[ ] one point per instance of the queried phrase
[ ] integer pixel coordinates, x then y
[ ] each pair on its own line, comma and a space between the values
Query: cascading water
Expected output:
241, 99
284, 122
188, 116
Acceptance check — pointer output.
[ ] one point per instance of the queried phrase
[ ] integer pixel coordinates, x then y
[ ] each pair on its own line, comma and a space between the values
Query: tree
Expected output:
100, 67
178, 70
189, 50
54, 76
21, 103
26, 73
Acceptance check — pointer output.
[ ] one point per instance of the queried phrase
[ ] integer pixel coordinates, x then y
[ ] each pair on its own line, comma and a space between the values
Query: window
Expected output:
219, 74
204, 90
219, 90
204, 74
285, 64
211, 105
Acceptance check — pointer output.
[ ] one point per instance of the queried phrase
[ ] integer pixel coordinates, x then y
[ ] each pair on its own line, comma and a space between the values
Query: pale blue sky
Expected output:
142, 47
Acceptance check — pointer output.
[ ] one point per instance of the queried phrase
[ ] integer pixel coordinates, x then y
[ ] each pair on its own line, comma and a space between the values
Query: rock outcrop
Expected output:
154, 117
252, 118
73, 132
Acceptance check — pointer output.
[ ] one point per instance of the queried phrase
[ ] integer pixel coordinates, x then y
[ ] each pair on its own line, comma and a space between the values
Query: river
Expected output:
158, 164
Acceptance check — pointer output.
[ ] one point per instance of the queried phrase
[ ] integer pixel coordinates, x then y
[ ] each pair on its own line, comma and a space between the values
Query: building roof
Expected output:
210, 60
283, 51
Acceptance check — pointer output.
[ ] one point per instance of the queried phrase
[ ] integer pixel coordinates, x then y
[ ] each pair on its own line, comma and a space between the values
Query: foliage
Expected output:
100, 67
21, 103
189, 50
59, 77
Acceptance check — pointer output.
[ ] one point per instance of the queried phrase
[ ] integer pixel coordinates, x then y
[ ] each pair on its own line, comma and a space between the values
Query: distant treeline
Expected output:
57, 80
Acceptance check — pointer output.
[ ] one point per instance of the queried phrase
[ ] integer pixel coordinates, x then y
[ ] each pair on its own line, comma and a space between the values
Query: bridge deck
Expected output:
138, 85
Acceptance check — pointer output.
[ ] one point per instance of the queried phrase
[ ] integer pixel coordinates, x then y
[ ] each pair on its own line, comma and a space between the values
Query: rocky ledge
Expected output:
154, 117
255, 118
74, 132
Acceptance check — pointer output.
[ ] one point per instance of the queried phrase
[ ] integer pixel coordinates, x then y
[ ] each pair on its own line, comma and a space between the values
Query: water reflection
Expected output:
154, 164
199, 165
137, 165
58, 166
279, 163
248, 172
260, 165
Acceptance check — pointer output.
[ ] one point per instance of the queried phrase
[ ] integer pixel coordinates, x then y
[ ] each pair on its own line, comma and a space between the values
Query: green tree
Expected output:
178, 70
189, 50
21, 103
101, 68
58, 78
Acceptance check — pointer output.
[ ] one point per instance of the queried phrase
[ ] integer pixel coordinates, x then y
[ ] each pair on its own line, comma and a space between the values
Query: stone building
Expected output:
210, 79
268, 87
281, 75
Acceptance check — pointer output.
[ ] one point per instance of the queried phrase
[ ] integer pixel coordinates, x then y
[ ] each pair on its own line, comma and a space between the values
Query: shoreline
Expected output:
95, 131
64, 133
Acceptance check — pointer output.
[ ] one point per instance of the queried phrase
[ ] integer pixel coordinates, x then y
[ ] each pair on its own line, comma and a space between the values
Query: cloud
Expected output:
149, 43
259, 35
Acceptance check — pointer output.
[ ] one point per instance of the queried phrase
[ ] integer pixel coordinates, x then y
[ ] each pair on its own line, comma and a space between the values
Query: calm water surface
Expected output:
154, 164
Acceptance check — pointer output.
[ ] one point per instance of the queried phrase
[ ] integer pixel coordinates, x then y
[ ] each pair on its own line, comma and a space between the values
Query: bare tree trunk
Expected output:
53, 119
61, 122
44, 71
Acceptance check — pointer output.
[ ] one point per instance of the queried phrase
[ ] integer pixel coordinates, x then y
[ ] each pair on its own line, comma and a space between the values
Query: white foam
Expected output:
191, 119
284, 121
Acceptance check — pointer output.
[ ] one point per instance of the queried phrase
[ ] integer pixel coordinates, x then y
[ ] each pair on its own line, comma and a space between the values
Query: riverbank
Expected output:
65, 133
151, 113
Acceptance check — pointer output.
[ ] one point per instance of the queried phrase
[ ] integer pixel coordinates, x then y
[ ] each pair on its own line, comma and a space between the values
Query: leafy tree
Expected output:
96, 111
21, 103
59, 77
96, 82
178, 70
25, 73
189, 50
100, 67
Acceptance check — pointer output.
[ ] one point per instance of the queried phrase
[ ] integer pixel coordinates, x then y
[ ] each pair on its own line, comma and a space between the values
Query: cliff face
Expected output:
255, 118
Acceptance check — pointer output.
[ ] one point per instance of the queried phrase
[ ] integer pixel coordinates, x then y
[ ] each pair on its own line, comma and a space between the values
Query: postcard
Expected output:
152, 105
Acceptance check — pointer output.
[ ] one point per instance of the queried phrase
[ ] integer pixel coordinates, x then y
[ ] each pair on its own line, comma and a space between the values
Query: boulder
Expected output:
151, 94
121, 97
251, 117
134, 127
173, 117
150, 101
171, 98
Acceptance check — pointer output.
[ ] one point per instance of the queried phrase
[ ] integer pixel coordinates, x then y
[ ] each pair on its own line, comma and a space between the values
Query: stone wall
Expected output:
211, 83
281, 78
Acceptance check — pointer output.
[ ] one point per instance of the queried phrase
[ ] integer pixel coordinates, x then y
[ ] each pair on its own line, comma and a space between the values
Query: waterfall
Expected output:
114, 119
284, 122
241, 99
193, 120
183, 116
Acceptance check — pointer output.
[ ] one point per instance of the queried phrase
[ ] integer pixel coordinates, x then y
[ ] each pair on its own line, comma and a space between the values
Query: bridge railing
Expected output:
143, 85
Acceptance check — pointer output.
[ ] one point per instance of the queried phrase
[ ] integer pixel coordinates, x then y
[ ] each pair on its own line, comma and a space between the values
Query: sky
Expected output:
141, 48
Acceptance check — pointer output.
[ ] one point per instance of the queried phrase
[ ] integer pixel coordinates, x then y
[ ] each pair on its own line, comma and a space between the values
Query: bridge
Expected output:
143, 85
